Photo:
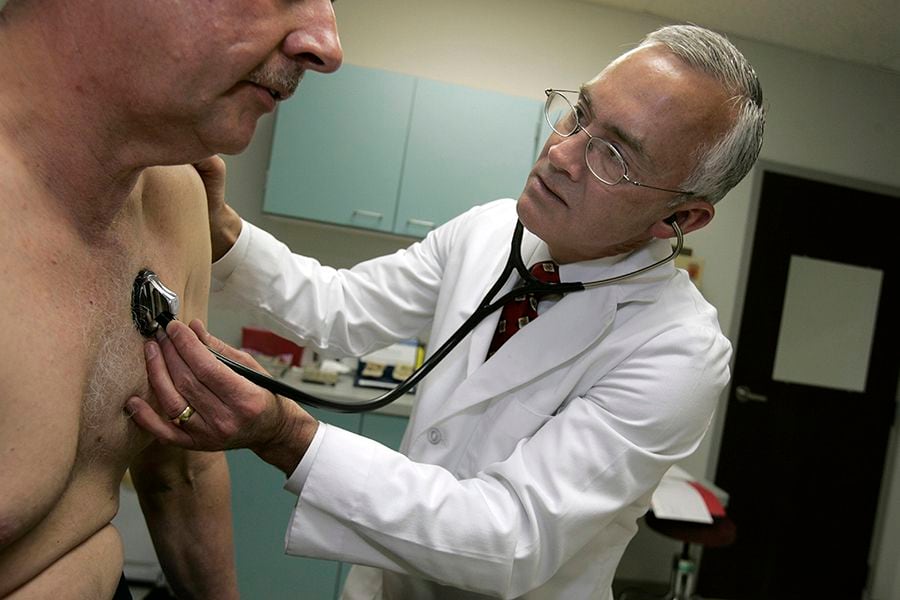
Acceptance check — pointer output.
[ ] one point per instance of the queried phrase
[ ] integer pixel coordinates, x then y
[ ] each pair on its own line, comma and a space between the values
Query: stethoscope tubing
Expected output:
485, 307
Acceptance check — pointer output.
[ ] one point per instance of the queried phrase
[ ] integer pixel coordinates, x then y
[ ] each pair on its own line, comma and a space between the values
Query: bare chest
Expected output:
85, 342
71, 297
114, 369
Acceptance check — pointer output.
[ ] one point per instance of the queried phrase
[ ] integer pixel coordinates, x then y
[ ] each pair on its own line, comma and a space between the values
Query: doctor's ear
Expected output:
691, 216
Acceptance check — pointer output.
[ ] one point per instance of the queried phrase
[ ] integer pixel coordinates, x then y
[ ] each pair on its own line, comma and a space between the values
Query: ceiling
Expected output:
860, 31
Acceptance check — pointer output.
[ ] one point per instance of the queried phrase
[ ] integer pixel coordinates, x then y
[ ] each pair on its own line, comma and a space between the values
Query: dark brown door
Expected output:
812, 395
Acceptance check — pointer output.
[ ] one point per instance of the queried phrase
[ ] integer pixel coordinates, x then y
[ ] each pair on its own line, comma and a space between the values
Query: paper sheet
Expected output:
677, 499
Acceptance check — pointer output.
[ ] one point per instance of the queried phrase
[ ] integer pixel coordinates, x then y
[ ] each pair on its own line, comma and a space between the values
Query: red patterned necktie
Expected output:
521, 310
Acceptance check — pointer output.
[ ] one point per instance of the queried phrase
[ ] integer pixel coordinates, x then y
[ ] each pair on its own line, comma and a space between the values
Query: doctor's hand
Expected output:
228, 411
224, 222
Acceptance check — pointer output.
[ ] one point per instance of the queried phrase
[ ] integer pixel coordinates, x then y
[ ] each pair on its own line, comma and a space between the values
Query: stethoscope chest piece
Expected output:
149, 299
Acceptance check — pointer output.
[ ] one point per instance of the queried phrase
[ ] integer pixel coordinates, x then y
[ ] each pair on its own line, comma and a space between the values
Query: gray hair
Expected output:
722, 164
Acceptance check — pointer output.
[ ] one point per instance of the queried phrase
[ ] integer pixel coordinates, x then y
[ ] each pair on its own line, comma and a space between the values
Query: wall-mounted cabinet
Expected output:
338, 148
390, 152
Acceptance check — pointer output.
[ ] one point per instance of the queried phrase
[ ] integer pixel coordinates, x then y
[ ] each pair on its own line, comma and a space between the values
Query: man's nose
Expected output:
314, 42
566, 154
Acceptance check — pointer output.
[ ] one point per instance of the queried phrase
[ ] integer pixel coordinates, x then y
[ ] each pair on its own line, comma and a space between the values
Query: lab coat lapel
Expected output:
574, 323
547, 342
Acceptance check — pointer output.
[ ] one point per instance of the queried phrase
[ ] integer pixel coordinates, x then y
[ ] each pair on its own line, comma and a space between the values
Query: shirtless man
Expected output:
93, 94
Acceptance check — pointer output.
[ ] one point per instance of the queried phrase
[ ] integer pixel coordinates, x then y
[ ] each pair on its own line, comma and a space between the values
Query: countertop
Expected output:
345, 391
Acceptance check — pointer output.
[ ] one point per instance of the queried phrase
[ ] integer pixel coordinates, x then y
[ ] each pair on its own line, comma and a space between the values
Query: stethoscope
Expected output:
154, 305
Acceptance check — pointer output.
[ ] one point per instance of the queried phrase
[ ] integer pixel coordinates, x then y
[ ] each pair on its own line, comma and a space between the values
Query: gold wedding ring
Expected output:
185, 415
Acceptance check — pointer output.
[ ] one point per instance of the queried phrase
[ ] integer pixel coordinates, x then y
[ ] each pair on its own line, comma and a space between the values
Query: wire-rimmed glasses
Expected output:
602, 158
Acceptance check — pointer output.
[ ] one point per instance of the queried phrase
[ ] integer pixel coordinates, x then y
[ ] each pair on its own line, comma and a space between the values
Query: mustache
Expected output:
283, 79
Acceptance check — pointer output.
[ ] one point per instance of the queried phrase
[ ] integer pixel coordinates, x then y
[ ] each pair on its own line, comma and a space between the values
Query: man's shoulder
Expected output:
174, 197
177, 180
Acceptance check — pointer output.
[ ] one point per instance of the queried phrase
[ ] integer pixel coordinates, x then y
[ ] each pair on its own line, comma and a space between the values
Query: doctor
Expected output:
523, 474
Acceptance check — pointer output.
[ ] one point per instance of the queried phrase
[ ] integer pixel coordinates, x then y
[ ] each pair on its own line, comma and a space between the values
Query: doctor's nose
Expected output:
566, 154
314, 42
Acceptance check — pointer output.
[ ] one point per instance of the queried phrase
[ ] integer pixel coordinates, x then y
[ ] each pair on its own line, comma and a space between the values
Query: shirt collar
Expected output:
534, 250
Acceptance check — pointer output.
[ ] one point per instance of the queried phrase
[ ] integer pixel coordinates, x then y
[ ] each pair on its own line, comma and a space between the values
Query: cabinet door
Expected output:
386, 429
466, 147
261, 512
338, 148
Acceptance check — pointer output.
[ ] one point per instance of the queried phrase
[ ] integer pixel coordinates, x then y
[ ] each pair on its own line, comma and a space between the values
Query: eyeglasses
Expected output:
602, 158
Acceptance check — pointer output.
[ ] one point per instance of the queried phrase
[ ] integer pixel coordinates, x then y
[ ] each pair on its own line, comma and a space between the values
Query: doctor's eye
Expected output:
580, 114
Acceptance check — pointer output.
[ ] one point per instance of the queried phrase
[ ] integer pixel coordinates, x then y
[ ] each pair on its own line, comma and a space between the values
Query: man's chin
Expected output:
235, 143
528, 212
232, 149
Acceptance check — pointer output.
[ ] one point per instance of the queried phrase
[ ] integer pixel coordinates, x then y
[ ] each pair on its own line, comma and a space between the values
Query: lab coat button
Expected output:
434, 435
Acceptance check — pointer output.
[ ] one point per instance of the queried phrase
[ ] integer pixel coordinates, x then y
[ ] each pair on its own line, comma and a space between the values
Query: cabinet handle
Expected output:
420, 223
369, 214
744, 394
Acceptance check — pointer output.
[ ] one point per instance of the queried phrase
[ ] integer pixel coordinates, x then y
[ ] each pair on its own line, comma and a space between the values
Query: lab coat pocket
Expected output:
520, 420
507, 422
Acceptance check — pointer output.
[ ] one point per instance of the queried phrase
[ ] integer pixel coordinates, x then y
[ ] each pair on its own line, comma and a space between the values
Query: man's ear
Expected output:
691, 216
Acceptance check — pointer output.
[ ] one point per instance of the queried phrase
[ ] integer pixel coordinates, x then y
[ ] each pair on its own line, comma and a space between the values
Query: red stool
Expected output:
721, 532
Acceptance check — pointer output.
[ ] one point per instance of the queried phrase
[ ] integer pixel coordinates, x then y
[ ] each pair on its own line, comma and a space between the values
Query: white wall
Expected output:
824, 115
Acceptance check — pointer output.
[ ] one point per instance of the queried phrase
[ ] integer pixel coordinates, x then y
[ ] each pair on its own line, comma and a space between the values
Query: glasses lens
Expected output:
560, 115
604, 161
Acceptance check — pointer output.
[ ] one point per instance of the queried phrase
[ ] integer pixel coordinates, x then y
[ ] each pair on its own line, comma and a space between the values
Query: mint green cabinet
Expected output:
390, 152
261, 513
337, 151
465, 147
387, 429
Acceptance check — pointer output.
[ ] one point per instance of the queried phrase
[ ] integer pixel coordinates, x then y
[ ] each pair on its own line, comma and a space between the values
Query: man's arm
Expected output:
185, 497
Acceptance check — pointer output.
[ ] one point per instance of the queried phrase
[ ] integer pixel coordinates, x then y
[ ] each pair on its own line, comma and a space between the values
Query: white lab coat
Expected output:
524, 475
